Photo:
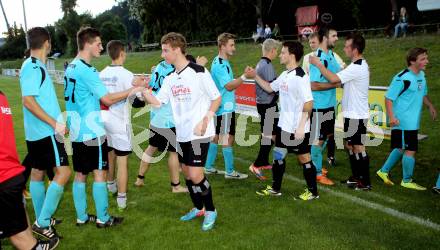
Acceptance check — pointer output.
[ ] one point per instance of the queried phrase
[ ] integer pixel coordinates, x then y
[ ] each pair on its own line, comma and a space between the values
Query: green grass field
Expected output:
385, 218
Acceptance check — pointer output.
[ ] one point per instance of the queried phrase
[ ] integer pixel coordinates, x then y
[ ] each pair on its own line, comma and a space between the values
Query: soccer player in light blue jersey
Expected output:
404, 100
225, 116
83, 91
324, 96
44, 131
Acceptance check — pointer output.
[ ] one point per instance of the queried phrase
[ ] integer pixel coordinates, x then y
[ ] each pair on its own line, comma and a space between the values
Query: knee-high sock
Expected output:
394, 156
352, 159
195, 197
438, 181
317, 158
100, 197
365, 168
228, 156
309, 172
212, 155
408, 163
278, 169
53, 197
331, 146
38, 194
204, 188
80, 200
263, 153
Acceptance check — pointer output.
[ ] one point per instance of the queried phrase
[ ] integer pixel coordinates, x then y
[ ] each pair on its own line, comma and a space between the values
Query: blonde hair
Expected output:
223, 39
175, 40
270, 44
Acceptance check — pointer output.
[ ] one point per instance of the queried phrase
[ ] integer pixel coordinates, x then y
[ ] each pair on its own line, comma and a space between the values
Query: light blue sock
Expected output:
212, 155
438, 181
53, 196
228, 156
101, 200
394, 156
408, 163
316, 153
38, 194
80, 200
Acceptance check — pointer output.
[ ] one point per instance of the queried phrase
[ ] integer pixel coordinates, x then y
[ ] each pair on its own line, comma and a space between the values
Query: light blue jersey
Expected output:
161, 117
35, 81
407, 91
221, 73
324, 99
82, 91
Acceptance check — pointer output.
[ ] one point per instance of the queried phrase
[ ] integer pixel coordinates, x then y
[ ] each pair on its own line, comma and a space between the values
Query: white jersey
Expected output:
294, 90
190, 93
356, 80
116, 119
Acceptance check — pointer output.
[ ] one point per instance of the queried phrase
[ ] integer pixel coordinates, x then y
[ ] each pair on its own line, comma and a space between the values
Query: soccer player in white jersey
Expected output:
117, 121
355, 80
296, 102
194, 100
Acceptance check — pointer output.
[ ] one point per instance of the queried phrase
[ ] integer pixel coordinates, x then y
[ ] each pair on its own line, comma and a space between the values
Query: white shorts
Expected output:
118, 132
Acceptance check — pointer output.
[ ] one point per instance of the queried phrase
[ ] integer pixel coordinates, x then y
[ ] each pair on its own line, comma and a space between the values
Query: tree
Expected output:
15, 44
113, 30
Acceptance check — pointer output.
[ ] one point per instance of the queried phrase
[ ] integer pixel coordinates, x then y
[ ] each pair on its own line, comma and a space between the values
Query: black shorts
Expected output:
46, 153
118, 152
163, 138
225, 124
193, 153
404, 139
268, 118
323, 123
355, 131
287, 140
12, 211
90, 155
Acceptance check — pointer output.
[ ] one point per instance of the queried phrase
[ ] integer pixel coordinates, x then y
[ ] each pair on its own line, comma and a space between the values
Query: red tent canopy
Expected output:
306, 16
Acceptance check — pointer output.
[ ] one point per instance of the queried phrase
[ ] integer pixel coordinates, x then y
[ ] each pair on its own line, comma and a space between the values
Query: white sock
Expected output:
122, 200
112, 187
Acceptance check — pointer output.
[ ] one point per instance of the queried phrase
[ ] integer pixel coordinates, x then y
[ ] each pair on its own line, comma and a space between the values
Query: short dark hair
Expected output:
37, 36
114, 48
296, 48
413, 53
324, 32
86, 35
175, 40
358, 42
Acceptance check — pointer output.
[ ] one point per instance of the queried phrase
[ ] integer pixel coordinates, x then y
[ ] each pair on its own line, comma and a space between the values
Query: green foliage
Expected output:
113, 30
15, 44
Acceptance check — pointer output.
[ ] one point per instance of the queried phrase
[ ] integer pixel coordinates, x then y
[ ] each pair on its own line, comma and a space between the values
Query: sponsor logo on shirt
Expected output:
6, 110
179, 90
284, 87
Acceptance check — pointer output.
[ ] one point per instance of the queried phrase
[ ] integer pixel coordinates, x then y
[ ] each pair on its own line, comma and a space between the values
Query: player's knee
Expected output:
304, 158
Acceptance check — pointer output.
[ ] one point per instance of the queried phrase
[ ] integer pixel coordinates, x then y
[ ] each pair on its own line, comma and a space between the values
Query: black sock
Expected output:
204, 188
278, 169
309, 171
365, 168
195, 197
331, 146
352, 158
263, 153
358, 167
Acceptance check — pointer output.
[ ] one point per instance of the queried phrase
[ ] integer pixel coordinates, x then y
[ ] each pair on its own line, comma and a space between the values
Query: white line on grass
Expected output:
390, 211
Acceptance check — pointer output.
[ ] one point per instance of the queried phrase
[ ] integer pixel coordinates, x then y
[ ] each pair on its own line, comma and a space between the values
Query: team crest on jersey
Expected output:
420, 86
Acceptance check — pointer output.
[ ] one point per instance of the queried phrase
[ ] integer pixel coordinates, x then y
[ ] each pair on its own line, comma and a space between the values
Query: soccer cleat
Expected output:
236, 175
331, 161
385, 177
360, 186
46, 232
266, 167
179, 189
111, 222
412, 185
324, 180
47, 245
214, 171
307, 196
268, 192
139, 183
436, 190
350, 182
208, 222
257, 172
90, 218
54, 221
193, 213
